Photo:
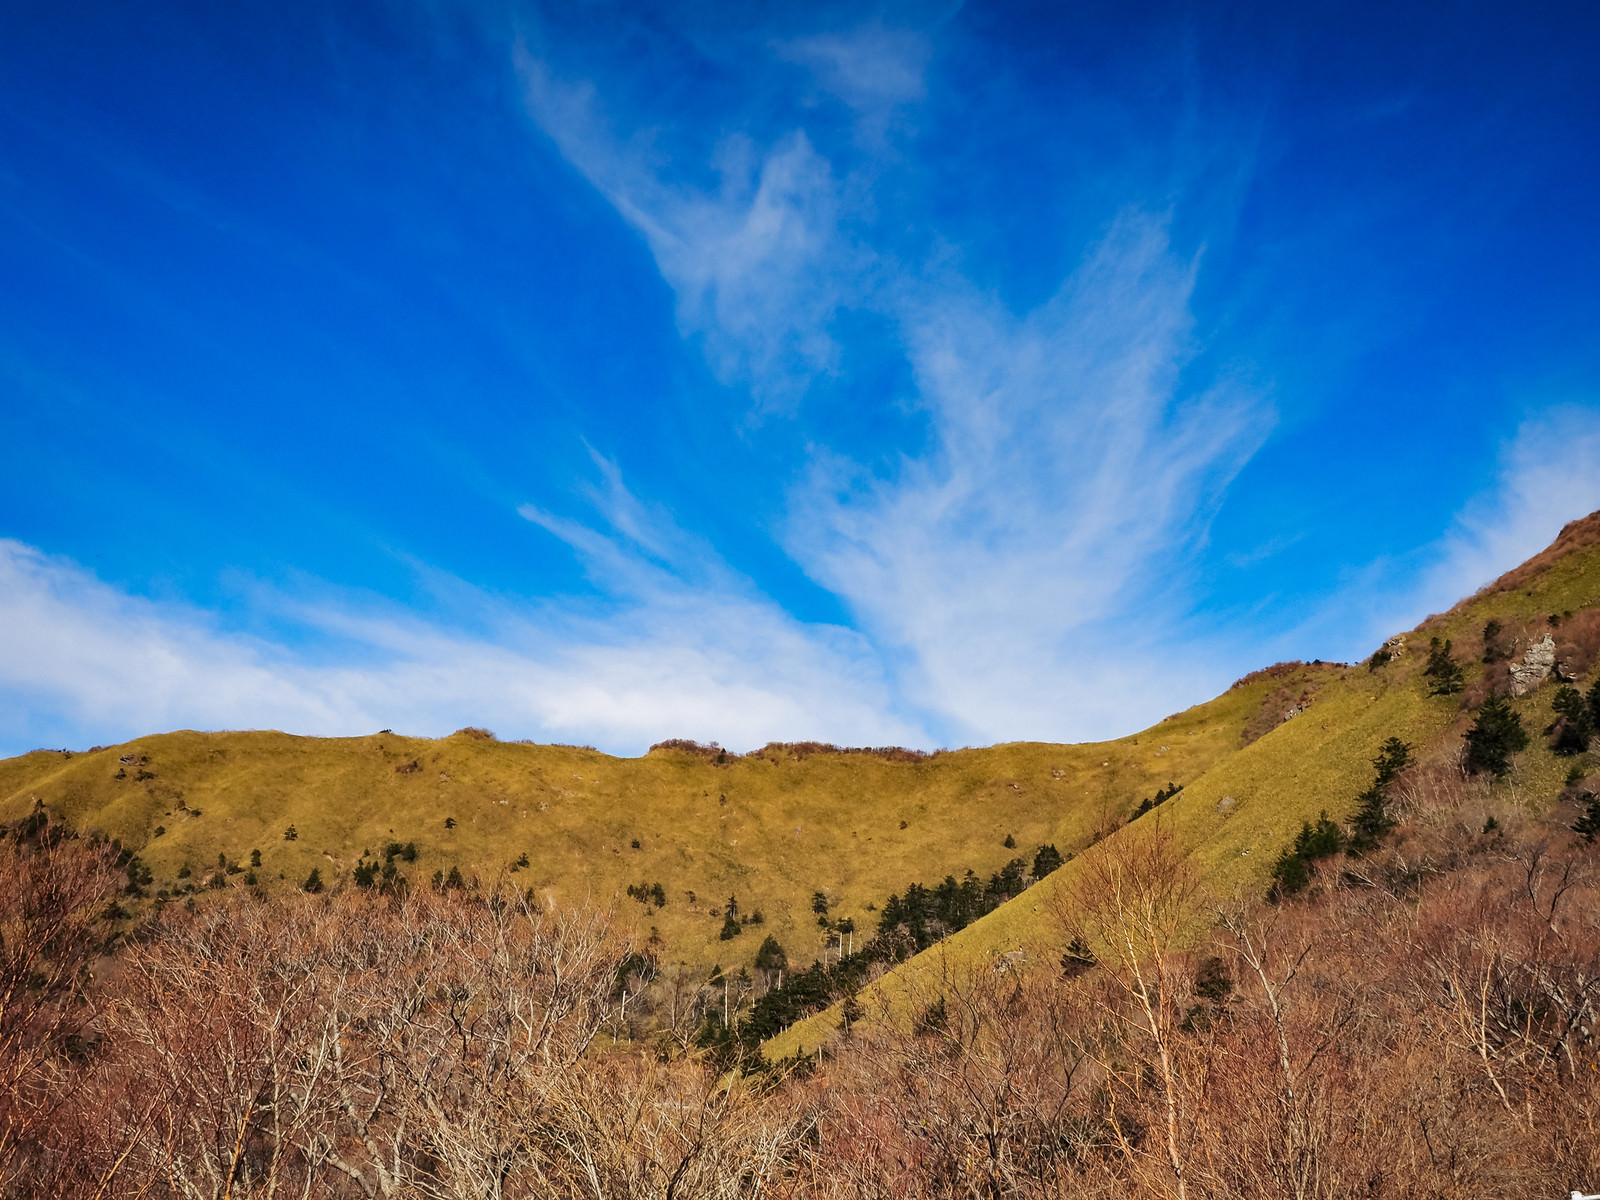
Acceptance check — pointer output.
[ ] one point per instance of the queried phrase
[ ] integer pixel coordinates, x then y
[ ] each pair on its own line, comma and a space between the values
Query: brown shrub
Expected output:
1276, 671
690, 746
1279, 706
1575, 535
803, 750
1578, 643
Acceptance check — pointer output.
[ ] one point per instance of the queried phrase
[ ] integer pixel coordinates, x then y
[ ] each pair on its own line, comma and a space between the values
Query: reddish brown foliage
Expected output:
1275, 710
689, 746
1574, 535
1423, 1023
801, 750
1277, 670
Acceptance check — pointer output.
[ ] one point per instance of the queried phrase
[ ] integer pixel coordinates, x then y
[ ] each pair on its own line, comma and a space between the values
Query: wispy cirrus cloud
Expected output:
757, 264
1021, 567
667, 657
1549, 474
1004, 569
875, 69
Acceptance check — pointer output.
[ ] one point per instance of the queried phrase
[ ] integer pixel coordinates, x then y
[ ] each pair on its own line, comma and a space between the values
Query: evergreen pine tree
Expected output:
771, 956
1589, 823
1322, 840
1293, 870
1575, 723
1372, 820
1290, 874
1442, 669
1495, 737
1393, 757
1077, 958
1493, 651
1047, 860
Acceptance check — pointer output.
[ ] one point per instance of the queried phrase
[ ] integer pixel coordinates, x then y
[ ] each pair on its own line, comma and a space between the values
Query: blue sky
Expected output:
934, 375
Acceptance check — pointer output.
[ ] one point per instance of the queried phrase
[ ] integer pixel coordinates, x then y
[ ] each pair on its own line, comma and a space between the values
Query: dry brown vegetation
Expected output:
1423, 1023
1574, 535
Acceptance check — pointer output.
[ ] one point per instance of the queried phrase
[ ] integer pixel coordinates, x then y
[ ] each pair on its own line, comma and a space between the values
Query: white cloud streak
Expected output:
1014, 581
1015, 565
81, 658
755, 264
1549, 474
1003, 574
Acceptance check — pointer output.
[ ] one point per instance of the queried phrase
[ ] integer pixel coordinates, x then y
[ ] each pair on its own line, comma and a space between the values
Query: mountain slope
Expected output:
1238, 815
774, 827
771, 828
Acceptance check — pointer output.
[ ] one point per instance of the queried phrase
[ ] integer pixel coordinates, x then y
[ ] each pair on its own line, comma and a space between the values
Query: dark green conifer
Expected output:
1372, 820
1589, 823
771, 956
1574, 722
1047, 860
1495, 737
1077, 958
1493, 651
1293, 870
1442, 669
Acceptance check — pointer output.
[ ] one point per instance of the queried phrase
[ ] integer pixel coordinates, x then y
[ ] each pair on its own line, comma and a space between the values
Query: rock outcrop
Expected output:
1535, 666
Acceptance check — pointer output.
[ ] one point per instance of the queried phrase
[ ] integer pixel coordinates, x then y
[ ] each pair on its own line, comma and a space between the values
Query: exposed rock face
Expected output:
1535, 666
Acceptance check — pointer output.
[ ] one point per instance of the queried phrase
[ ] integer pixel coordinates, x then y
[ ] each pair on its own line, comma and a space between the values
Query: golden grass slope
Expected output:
770, 828
1241, 812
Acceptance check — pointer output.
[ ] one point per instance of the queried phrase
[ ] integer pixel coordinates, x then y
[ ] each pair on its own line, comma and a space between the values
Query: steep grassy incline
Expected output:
770, 828
1242, 812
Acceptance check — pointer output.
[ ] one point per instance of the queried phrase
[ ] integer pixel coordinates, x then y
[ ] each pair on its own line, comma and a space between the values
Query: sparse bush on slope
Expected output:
1323, 839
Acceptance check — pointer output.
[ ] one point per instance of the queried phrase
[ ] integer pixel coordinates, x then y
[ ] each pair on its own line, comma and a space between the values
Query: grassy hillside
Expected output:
776, 826
1240, 813
771, 827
